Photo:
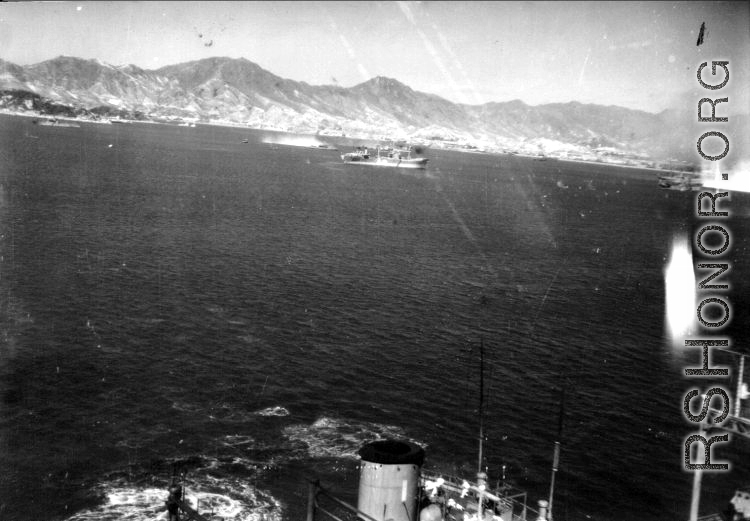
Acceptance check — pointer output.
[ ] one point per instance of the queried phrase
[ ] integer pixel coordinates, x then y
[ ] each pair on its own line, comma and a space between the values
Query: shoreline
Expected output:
181, 123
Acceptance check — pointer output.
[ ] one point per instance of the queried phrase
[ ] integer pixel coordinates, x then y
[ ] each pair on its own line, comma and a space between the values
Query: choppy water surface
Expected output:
251, 313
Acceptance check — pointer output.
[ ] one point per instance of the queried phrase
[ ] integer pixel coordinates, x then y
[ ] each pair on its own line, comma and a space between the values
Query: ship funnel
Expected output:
388, 480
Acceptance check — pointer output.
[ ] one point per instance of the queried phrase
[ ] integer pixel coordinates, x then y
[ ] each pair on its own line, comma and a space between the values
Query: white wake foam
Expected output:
336, 438
242, 503
212, 489
273, 411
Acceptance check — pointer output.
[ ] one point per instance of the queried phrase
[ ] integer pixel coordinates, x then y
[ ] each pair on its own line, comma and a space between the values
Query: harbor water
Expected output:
250, 314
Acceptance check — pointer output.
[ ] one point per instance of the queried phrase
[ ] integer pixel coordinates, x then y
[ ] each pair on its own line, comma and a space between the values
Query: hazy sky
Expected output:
639, 55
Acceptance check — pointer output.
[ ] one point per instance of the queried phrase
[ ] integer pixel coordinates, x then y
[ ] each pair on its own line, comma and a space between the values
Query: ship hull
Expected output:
417, 163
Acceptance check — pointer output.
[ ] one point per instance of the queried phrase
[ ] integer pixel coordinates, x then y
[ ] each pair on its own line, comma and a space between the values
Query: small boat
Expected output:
299, 143
682, 181
54, 122
387, 156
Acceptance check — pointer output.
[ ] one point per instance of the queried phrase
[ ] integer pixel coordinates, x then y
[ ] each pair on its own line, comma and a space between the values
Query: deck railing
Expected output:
345, 511
506, 503
504, 499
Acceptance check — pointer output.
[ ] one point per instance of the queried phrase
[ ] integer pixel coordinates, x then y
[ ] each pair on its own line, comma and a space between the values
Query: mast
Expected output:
740, 394
481, 404
481, 477
556, 456
695, 498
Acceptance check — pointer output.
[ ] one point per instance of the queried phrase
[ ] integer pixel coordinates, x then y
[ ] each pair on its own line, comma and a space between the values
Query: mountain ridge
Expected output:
240, 92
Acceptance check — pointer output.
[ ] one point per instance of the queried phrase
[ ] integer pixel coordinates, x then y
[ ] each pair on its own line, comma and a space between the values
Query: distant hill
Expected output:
238, 91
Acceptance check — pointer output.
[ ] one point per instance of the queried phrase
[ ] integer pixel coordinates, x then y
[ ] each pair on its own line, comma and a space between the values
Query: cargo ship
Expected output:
385, 156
